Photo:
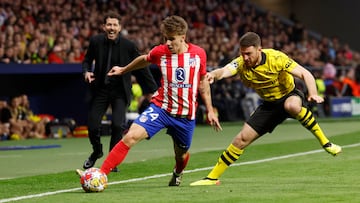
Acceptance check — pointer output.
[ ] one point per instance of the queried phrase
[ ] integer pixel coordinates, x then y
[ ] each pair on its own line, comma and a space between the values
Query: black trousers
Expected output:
100, 100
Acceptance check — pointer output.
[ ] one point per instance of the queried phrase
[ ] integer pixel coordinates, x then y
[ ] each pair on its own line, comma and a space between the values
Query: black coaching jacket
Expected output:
123, 52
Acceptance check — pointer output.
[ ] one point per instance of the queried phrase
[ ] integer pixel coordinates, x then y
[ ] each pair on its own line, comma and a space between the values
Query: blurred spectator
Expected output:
30, 53
136, 101
63, 21
37, 124
5, 116
41, 57
9, 57
76, 56
137, 95
332, 84
319, 108
227, 98
2, 53
23, 123
351, 82
19, 128
348, 54
56, 55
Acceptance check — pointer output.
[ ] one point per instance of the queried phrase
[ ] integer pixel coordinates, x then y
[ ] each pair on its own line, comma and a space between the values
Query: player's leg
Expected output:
245, 137
182, 157
119, 152
145, 126
293, 105
181, 130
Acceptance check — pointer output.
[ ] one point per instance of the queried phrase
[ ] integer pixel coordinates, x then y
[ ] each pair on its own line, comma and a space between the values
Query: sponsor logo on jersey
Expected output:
288, 64
235, 64
180, 85
180, 74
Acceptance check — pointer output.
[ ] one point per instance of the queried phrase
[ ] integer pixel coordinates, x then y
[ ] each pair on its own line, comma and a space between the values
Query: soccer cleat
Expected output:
90, 162
79, 172
115, 170
175, 180
206, 181
332, 148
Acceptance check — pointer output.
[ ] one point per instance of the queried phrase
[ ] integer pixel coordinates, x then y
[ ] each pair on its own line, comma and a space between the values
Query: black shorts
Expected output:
270, 114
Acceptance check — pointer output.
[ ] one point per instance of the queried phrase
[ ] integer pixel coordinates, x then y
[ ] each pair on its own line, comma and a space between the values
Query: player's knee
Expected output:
133, 137
292, 108
241, 141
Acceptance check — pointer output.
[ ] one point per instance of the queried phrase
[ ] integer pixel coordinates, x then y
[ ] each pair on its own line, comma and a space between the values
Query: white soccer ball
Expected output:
93, 180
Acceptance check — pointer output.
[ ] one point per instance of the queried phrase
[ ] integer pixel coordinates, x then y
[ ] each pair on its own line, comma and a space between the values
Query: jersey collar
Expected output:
263, 59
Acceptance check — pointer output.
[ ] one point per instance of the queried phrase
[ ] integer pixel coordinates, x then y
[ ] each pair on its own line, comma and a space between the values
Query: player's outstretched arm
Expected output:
205, 93
309, 80
137, 63
218, 74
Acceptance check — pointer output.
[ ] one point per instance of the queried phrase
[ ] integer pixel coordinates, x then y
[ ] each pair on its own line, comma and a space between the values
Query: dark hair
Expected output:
250, 39
174, 25
112, 14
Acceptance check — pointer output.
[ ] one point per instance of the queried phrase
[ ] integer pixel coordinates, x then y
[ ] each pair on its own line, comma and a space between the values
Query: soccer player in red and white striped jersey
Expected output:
173, 105
181, 76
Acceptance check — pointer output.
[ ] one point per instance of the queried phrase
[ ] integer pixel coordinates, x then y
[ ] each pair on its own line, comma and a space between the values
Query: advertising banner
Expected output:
355, 104
341, 107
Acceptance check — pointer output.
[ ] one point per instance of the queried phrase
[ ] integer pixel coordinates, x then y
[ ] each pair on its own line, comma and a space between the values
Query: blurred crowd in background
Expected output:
57, 32
43, 31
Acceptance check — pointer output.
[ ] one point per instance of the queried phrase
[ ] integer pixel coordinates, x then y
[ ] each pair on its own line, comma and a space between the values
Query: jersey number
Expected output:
149, 111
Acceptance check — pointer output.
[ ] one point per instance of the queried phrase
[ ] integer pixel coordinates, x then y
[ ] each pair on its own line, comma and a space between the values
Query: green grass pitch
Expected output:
287, 165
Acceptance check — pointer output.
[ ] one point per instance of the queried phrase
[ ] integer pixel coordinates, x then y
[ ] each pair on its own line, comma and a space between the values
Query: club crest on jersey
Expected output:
192, 62
180, 74
143, 118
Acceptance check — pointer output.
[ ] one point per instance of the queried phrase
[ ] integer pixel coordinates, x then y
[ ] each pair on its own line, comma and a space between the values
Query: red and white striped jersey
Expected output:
180, 79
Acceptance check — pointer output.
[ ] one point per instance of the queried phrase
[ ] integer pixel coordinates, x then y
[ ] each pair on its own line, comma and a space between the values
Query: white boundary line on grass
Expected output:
168, 174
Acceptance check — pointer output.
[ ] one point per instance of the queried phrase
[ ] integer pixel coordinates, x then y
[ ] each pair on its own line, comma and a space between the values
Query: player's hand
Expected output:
214, 121
315, 98
210, 77
116, 70
89, 77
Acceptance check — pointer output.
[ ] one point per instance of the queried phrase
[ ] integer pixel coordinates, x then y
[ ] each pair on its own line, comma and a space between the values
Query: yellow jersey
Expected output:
271, 79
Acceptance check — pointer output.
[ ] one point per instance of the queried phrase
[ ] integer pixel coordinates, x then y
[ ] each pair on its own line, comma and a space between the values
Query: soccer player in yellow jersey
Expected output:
271, 74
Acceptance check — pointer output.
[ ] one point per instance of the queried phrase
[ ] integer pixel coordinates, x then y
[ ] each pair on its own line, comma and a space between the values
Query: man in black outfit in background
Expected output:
107, 50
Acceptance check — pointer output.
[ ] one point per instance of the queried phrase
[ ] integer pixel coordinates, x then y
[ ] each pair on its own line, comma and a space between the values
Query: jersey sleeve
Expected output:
153, 55
287, 63
234, 65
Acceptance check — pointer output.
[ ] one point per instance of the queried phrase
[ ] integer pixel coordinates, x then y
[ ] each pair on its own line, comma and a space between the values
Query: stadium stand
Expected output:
62, 28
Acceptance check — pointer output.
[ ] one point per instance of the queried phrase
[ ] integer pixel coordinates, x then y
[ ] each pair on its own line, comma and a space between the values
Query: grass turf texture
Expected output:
316, 177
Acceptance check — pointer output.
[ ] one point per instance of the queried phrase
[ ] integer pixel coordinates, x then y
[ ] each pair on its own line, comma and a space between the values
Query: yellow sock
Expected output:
229, 156
307, 119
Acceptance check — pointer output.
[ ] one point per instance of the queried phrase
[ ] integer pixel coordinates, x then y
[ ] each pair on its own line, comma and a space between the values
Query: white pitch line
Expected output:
168, 174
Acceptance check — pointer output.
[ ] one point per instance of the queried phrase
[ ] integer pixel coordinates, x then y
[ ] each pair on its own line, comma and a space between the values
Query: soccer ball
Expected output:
93, 180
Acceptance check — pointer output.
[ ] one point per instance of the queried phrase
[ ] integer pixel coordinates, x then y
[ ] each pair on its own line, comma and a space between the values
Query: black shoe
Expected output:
90, 162
115, 170
175, 179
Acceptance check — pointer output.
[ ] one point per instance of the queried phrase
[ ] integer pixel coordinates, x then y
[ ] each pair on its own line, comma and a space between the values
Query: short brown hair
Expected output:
174, 25
111, 14
250, 39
